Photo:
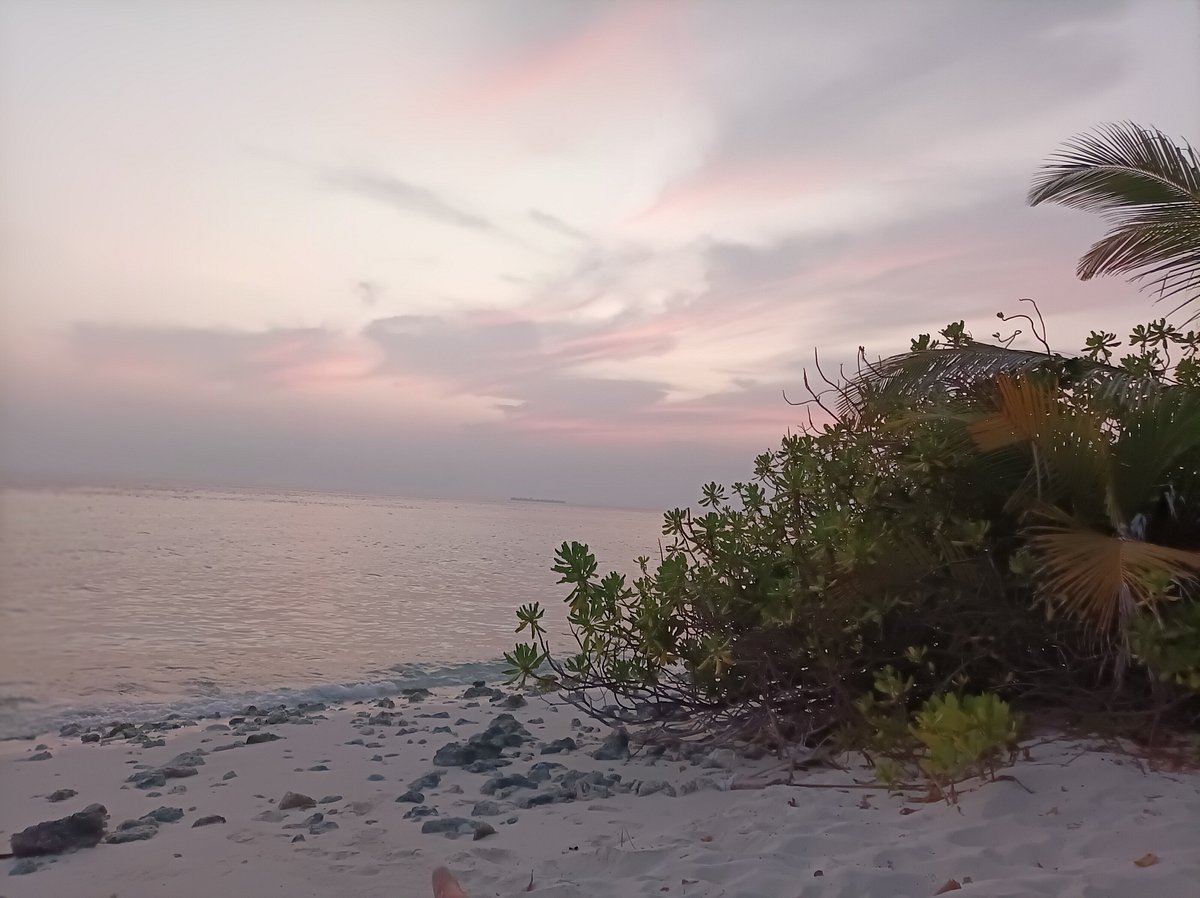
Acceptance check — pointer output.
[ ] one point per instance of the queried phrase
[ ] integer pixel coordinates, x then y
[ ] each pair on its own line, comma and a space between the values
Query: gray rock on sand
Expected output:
457, 826
430, 780
376, 778
615, 746
61, 795
164, 815
420, 811
323, 827
503, 732
40, 756
89, 737
209, 820
259, 738
82, 830
558, 746
652, 787
503, 783
549, 796
485, 809
479, 690
514, 701
330, 799
412, 796
296, 800
187, 759
132, 831
230, 775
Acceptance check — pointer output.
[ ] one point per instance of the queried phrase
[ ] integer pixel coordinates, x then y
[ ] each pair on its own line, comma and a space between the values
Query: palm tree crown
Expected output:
1148, 187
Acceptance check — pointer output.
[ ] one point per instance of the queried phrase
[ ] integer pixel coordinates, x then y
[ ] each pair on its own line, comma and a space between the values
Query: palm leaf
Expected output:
1148, 187
1100, 577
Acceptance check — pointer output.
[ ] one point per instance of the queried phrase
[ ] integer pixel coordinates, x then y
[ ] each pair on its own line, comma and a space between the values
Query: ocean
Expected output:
139, 603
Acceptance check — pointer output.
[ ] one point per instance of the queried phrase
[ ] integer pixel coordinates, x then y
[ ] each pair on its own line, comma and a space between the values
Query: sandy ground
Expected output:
1071, 824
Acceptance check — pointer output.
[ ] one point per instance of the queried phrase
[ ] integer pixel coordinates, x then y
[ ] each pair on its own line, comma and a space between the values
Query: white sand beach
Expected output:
1071, 820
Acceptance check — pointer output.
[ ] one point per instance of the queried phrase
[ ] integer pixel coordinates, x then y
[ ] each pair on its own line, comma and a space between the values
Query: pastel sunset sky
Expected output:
548, 247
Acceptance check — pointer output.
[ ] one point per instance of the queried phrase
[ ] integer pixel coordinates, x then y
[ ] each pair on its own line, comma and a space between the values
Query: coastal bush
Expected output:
974, 519
958, 528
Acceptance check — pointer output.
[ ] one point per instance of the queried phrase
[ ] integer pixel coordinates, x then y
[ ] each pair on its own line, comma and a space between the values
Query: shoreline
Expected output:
478, 767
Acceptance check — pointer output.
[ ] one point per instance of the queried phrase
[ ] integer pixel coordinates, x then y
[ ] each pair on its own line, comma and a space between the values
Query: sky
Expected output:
549, 247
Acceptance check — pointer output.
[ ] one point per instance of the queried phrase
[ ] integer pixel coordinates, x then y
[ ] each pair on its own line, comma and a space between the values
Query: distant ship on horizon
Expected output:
546, 501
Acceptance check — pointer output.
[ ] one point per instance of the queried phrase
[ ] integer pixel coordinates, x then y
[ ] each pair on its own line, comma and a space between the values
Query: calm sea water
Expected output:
135, 602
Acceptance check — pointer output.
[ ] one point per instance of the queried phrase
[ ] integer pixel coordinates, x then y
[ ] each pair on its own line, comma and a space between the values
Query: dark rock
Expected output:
551, 796
615, 746
70, 729
276, 717
122, 730
462, 721
487, 765
187, 759
90, 737
132, 831
485, 809
24, 867
152, 743
412, 796
175, 773
164, 815
542, 770
376, 778
147, 779
230, 775
82, 830
454, 826
61, 795
40, 756
420, 811
536, 720
415, 695
295, 800
503, 732
209, 820
259, 738
323, 827
479, 690
436, 730
271, 816
651, 787
514, 701
330, 799
437, 715
558, 746
385, 703
298, 838
316, 768
511, 781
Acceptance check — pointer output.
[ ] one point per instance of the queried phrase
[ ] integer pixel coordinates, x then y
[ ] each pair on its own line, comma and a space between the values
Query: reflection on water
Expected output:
168, 593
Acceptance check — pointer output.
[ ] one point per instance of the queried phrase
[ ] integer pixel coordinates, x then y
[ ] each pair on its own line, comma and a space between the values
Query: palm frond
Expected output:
912, 376
1102, 578
1154, 438
1148, 187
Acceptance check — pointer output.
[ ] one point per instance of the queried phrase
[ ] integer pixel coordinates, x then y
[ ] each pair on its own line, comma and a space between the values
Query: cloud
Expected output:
556, 224
403, 196
274, 357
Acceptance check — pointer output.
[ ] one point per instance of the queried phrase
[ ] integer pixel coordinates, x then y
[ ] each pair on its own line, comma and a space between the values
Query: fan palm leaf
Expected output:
1103, 578
1148, 187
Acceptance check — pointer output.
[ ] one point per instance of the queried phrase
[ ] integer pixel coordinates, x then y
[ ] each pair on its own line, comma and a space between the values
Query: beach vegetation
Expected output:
955, 536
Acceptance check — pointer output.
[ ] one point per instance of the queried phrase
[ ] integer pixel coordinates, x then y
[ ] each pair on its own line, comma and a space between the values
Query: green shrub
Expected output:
964, 736
975, 520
